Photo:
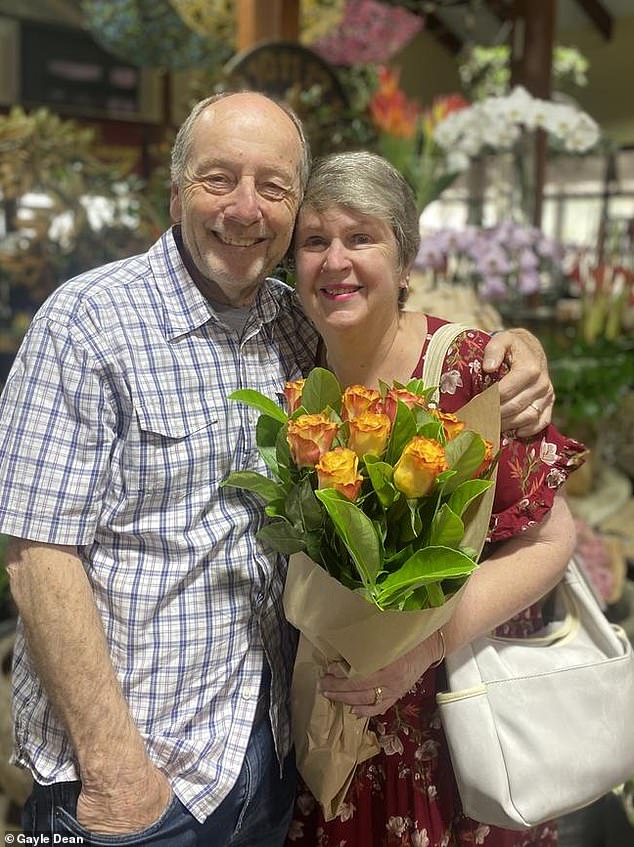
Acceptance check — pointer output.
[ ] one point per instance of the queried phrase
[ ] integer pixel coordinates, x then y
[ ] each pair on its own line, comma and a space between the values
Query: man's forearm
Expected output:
67, 644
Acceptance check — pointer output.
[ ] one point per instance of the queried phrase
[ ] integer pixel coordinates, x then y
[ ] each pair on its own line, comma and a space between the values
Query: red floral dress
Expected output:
406, 795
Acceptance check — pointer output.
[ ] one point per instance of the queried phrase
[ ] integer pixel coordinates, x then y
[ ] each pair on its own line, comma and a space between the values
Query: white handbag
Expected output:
541, 726
538, 727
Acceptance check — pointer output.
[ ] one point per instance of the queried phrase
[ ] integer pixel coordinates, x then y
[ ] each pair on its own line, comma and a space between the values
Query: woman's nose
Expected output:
243, 204
336, 258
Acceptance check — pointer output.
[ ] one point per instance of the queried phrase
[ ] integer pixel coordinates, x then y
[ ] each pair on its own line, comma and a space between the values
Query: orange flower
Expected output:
309, 437
394, 395
293, 393
440, 108
488, 458
369, 433
358, 399
390, 109
420, 463
451, 425
339, 469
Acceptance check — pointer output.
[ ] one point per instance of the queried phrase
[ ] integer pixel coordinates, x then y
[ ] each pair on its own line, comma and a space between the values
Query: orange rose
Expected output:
451, 425
420, 463
309, 437
488, 458
339, 469
293, 393
394, 395
369, 433
358, 399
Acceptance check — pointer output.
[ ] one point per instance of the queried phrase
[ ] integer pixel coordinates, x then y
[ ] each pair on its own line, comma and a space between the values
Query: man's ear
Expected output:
176, 211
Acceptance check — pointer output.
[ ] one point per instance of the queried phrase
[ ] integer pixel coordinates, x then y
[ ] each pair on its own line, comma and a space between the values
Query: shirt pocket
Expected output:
176, 448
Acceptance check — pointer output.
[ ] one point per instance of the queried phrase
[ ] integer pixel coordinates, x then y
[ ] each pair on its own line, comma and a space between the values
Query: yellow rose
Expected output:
309, 437
358, 399
339, 469
420, 463
369, 433
293, 393
451, 425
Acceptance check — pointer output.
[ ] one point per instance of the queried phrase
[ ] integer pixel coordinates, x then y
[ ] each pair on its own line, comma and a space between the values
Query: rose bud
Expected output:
451, 425
392, 397
309, 437
293, 393
420, 463
339, 469
358, 399
369, 433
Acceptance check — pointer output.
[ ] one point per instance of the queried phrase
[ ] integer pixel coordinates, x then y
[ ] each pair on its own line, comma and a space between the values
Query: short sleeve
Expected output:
56, 434
530, 471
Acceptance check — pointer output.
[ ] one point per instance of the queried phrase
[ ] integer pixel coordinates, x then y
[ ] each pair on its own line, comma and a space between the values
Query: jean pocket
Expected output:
71, 826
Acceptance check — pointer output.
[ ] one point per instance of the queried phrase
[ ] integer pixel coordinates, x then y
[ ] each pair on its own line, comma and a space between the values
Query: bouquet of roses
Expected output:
384, 501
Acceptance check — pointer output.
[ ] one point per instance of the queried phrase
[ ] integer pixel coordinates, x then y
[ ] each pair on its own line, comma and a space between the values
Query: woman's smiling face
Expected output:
347, 269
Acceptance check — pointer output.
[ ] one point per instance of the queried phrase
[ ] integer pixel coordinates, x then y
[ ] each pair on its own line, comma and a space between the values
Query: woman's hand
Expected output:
526, 392
374, 694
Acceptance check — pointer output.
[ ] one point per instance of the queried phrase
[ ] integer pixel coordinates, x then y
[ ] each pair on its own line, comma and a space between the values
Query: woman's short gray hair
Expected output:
369, 185
184, 137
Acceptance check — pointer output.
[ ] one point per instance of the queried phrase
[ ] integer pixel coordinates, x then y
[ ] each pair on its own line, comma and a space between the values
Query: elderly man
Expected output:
152, 660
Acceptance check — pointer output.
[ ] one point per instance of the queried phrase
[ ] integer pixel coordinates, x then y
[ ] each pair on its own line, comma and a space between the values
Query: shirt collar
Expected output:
185, 308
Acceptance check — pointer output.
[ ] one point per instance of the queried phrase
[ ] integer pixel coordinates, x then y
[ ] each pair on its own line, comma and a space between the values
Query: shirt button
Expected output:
248, 694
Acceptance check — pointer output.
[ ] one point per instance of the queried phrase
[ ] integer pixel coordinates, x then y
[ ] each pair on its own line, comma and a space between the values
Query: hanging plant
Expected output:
149, 33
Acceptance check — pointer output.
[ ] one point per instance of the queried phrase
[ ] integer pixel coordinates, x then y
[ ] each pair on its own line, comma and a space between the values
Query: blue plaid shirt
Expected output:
115, 432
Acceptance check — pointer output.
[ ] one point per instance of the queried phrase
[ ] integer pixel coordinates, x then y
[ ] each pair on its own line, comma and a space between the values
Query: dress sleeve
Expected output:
531, 469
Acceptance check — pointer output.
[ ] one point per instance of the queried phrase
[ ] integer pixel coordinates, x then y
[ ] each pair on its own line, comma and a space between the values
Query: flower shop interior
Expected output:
510, 118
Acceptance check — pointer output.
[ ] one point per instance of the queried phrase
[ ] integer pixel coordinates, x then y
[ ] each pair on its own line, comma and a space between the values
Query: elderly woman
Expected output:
355, 241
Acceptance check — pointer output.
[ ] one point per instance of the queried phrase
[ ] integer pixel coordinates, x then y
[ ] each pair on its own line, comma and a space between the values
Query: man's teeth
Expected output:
233, 241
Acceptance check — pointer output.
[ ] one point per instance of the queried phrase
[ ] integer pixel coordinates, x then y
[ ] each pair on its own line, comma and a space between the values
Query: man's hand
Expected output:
526, 392
130, 805
393, 681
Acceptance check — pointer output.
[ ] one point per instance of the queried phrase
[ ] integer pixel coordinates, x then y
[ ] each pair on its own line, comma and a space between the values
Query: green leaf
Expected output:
466, 493
275, 509
302, 507
357, 532
255, 482
403, 430
321, 389
266, 431
465, 454
282, 537
431, 564
259, 401
447, 529
381, 474
283, 455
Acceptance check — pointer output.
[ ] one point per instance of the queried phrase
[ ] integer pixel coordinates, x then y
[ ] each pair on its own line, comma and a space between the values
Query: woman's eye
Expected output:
314, 242
361, 238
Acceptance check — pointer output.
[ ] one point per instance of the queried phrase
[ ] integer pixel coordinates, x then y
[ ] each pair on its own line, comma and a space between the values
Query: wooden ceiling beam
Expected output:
599, 16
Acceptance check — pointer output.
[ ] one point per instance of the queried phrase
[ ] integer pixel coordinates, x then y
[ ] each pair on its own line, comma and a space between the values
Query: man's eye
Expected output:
272, 191
218, 181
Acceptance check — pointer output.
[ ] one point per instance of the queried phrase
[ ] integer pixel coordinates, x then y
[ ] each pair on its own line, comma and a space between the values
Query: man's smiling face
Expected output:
239, 195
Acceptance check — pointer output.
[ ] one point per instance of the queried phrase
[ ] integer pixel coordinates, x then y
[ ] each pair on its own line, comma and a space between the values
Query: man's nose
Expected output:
243, 204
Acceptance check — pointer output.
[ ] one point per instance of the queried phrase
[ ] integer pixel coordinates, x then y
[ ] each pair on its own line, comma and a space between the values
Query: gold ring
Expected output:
378, 695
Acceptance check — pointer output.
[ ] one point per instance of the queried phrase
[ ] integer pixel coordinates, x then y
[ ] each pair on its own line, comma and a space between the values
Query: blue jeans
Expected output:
256, 812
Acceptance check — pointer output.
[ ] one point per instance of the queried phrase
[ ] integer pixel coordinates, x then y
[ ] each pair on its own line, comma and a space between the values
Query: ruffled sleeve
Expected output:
530, 470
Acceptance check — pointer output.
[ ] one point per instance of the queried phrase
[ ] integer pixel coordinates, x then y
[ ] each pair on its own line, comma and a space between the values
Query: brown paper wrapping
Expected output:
337, 624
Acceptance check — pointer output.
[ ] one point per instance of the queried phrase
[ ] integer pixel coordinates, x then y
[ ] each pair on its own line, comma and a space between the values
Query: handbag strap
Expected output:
437, 349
